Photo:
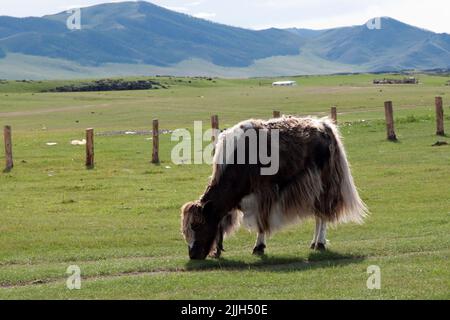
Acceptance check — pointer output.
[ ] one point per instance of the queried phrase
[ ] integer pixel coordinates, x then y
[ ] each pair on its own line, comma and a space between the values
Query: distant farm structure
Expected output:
284, 84
410, 80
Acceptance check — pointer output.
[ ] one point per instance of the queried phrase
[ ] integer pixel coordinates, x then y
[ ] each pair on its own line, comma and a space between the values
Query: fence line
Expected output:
155, 133
389, 115
8, 148
90, 148
215, 128
439, 117
334, 114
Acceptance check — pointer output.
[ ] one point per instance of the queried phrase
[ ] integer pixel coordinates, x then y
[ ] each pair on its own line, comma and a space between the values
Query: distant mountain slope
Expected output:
18, 66
140, 32
306, 33
125, 37
395, 46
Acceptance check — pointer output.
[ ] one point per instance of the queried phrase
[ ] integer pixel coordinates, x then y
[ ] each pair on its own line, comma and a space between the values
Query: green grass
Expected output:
120, 221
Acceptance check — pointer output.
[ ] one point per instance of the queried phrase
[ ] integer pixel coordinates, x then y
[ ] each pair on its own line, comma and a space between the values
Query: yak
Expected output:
313, 180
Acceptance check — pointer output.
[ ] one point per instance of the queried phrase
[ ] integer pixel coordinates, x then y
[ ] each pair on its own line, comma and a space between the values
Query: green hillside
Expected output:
139, 38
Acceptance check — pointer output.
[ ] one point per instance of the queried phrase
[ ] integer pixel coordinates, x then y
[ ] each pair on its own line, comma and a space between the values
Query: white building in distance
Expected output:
284, 84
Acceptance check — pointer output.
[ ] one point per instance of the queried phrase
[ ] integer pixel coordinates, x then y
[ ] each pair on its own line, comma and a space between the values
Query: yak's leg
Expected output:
322, 240
320, 235
316, 233
260, 244
217, 252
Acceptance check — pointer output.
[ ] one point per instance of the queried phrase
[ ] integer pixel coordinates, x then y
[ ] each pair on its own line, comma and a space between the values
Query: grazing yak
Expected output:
313, 180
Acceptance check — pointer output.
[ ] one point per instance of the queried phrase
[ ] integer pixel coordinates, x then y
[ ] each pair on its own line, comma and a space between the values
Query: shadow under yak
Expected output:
315, 260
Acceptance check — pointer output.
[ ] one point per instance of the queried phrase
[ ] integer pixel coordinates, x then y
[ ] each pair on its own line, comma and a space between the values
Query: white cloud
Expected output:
194, 4
205, 15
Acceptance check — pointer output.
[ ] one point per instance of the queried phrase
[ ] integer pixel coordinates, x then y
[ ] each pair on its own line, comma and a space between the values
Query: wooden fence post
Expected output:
389, 112
276, 114
215, 128
155, 132
334, 114
439, 117
8, 148
90, 148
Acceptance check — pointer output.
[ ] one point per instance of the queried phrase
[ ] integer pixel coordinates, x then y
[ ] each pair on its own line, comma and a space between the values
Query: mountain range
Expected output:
140, 38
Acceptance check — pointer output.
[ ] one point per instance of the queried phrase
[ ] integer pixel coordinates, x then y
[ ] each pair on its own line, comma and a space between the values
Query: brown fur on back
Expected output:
313, 180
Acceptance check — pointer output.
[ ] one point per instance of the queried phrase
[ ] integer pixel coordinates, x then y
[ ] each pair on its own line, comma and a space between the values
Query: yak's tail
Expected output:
348, 207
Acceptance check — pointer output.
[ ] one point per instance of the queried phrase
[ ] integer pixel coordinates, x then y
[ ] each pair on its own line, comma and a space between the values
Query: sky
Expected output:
433, 15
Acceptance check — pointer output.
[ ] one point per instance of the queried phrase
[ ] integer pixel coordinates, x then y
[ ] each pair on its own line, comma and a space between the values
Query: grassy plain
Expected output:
120, 222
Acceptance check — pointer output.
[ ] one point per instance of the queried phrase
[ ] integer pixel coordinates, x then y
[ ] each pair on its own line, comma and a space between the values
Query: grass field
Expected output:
120, 222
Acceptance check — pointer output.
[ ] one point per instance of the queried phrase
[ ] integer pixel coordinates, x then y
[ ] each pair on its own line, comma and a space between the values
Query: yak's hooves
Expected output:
318, 247
259, 250
216, 254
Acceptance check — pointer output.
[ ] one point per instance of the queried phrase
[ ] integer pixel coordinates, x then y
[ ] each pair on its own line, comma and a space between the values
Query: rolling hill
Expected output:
139, 37
140, 32
396, 46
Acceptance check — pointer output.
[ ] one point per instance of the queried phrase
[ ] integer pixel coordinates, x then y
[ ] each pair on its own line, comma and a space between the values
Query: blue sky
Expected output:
258, 14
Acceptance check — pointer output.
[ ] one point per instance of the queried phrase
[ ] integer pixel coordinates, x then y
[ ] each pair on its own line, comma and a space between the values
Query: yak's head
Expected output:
199, 227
